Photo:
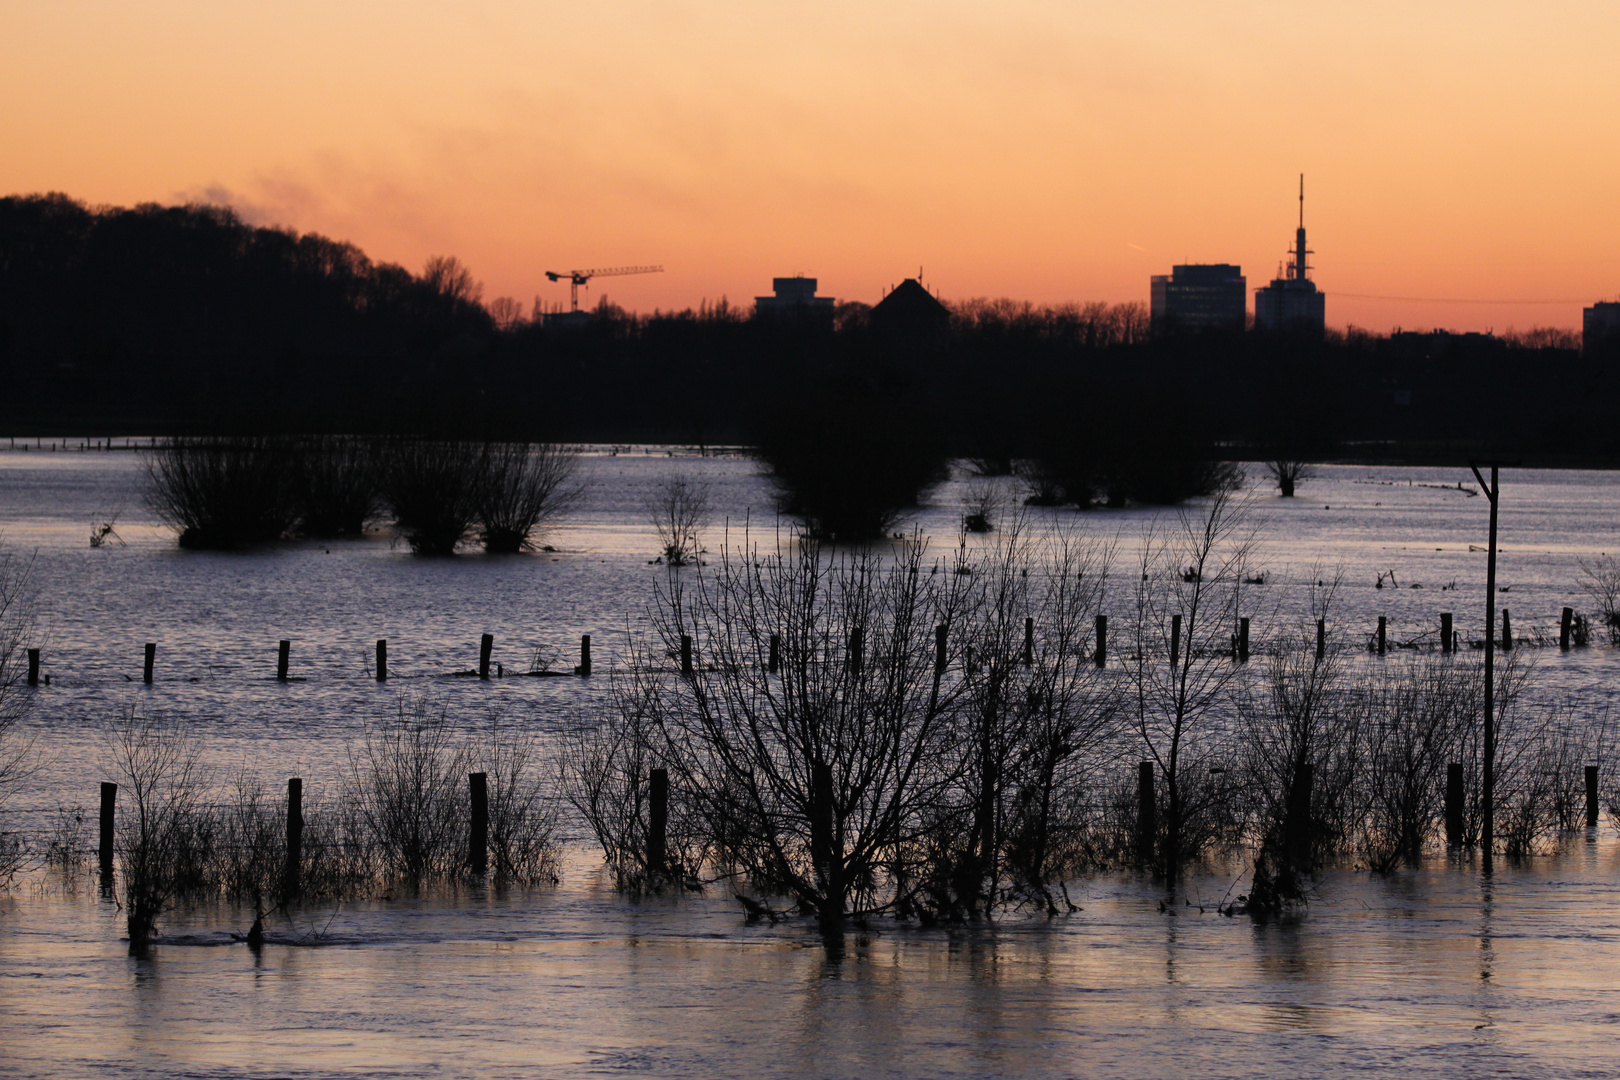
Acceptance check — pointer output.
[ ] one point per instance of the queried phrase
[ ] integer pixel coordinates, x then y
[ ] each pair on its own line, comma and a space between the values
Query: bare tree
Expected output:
677, 507
410, 777
1191, 577
1289, 474
814, 780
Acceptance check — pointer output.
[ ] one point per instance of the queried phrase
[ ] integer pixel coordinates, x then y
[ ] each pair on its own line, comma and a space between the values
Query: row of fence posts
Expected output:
477, 833
1299, 803
1240, 647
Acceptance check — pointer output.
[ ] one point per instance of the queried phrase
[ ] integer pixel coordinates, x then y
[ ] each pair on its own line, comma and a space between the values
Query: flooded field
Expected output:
1435, 970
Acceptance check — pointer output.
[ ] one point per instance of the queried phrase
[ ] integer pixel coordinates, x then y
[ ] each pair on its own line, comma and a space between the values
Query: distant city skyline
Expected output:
1459, 177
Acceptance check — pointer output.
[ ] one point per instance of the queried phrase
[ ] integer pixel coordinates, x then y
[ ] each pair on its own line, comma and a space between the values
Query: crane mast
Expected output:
576, 278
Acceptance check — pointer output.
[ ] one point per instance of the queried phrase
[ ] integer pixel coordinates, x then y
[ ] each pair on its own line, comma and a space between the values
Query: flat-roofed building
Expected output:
1200, 296
793, 296
1600, 328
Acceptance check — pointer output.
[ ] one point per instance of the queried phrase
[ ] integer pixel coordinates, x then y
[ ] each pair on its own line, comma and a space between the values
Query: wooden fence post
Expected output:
856, 648
773, 661
1383, 628
1243, 639
109, 805
1591, 796
283, 654
1029, 642
33, 667
686, 654
1101, 655
1454, 804
941, 633
1564, 626
1445, 631
486, 645
151, 658
1175, 639
1321, 639
1147, 818
658, 822
478, 835
382, 659
584, 655
1507, 631
292, 874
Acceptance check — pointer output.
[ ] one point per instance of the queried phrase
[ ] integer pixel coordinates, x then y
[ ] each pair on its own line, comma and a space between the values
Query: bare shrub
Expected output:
605, 772
218, 492
410, 778
676, 508
1418, 720
1600, 580
981, 506
522, 489
523, 845
165, 840
433, 487
337, 482
252, 838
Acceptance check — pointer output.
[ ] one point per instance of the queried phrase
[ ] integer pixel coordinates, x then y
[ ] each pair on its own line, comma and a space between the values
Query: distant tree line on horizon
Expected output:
186, 320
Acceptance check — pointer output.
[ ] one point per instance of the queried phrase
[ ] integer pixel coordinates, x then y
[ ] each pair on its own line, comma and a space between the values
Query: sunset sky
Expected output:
1048, 151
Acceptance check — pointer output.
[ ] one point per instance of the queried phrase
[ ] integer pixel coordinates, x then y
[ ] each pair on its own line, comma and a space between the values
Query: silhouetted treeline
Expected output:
185, 319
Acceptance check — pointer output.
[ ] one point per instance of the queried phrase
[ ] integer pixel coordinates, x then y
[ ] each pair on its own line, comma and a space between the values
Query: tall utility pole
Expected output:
1488, 795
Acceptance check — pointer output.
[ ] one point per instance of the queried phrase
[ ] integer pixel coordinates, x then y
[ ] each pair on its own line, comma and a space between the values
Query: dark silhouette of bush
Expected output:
433, 487
849, 456
522, 490
223, 492
337, 480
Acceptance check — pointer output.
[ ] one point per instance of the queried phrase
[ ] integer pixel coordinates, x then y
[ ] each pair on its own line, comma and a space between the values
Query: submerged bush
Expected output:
522, 489
433, 488
222, 493
337, 479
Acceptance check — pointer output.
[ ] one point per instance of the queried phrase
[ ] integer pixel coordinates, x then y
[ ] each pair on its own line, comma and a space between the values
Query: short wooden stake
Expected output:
658, 821
1564, 626
1591, 797
1507, 631
686, 654
1101, 655
1029, 642
33, 667
1454, 804
1243, 639
382, 659
292, 873
1445, 631
283, 653
773, 661
856, 650
151, 657
941, 635
109, 804
1175, 640
478, 835
1383, 634
1321, 639
486, 644
1147, 818
585, 654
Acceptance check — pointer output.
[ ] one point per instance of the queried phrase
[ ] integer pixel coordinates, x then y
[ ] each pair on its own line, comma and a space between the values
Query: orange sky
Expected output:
1048, 151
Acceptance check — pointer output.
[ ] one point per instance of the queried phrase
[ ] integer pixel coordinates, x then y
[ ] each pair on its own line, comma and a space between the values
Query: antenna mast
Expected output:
1299, 237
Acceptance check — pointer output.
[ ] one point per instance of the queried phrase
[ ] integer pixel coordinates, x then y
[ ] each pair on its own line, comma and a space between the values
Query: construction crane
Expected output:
576, 278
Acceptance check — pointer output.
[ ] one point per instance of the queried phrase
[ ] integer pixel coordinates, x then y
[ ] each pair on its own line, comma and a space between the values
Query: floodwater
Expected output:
1433, 971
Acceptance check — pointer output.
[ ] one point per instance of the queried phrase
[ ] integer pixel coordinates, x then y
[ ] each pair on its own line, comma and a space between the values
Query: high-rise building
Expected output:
1209, 296
1600, 328
1291, 302
794, 296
